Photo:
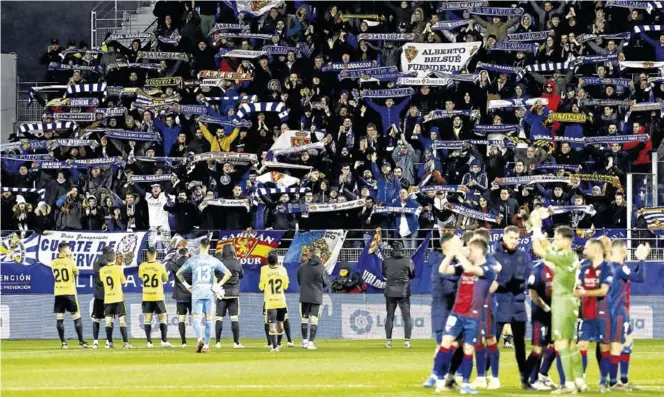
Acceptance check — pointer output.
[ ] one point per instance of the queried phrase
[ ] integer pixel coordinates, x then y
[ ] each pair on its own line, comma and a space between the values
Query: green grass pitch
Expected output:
338, 368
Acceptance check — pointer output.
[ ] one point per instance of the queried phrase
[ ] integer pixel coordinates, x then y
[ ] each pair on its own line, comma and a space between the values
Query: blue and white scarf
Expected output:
222, 27
445, 114
551, 166
458, 145
276, 164
386, 36
172, 39
73, 102
357, 73
264, 107
394, 210
128, 36
280, 50
112, 112
648, 28
225, 203
548, 67
612, 36
387, 93
604, 102
75, 117
29, 157
298, 149
529, 36
386, 77
56, 143
339, 66
59, 125
471, 213
223, 157
469, 78
250, 98
243, 54
242, 35
20, 146
162, 159
151, 178
126, 135
514, 103
586, 81
485, 129
519, 72
193, 109
458, 5
207, 119
563, 209
79, 88
642, 64
449, 25
531, 179
83, 68
86, 163
620, 139
41, 192
632, 5
136, 65
515, 46
586, 59
305, 49
496, 11
154, 55
444, 188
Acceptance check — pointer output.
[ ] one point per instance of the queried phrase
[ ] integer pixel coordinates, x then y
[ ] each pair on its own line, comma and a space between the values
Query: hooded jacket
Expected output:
96, 267
312, 279
512, 287
397, 271
227, 257
553, 98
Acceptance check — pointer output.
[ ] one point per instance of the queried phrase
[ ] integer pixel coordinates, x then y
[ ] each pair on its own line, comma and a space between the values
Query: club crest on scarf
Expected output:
300, 139
257, 5
12, 249
411, 52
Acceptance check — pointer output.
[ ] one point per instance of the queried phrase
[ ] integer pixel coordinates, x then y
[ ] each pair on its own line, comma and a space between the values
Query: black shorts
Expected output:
158, 307
273, 316
65, 303
232, 305
310, 310
182, 308
115, 309
97, 309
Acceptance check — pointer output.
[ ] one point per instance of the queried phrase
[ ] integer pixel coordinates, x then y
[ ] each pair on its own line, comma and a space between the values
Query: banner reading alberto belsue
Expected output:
427, 58
26, 262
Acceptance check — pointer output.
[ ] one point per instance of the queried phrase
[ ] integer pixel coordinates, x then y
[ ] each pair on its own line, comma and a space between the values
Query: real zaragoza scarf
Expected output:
458, 5
264, 107
441, 188
567, 117
128, 36
73, 102
387, 93
548, 67
485, 129
221, 27
357, 73
386, 36
60, 125
207, 119
531, 179
83, 68
529, 36
390, 209
173, 56
497, 11
604, 102
515, 46
586, 81
85, 163
75, 117
222, 75
445, 114
563, 209
519, 72
151, 178
588, 59
242, 54
471, 213
339, 66
582, 38
648, 28
224, 157
126, 135
164, 82
80, 88
551, 166
449, 25
34, 90
642, 64
515, 103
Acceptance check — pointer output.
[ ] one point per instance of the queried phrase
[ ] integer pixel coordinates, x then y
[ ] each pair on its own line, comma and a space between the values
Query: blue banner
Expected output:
26, 261
328, 241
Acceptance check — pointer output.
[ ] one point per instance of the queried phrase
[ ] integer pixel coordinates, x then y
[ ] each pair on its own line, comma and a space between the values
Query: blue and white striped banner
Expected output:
262, 107
59, 125
648, 28
79, 88
40, 192
655, 219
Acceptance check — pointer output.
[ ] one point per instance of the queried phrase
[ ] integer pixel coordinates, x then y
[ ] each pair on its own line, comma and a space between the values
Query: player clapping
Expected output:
113, 279
273, 283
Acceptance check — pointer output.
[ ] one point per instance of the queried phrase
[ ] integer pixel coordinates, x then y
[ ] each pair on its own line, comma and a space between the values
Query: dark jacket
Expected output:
232, 286
398, 271
512, 278
312, 279
186, 215
100, 262
174, 262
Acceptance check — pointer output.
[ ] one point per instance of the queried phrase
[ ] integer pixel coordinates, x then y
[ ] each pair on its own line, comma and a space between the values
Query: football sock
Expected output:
78, 326
95, 330
494, 359
577, 365
287, 330
604, 367
442, 361
197, 328
305, 328
235, 328
123, 332
457, 358
60, 325
218, 327
183, 332
208, 331
480, 355
467, 367
584, 359
624, 367
613, 369
312, 332
559, 366
279, 338
109, 333
267, 334
163, 327
148, 332
547, 360
531, 364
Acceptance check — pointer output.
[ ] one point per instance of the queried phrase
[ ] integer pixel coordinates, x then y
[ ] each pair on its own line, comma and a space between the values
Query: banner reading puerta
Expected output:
26, 259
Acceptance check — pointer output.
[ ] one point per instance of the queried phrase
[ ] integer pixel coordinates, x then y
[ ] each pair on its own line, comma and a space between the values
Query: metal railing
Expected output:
112, 17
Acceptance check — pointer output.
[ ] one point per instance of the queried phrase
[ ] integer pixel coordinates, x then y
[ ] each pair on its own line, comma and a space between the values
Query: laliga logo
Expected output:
361, 321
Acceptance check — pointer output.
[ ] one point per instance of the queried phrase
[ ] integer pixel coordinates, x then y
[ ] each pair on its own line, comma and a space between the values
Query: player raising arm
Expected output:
203, 290
113, 279
564, 305
153, 276
64, 275
273, 283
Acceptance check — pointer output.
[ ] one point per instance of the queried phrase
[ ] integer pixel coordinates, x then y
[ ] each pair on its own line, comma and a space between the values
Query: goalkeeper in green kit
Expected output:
564, 305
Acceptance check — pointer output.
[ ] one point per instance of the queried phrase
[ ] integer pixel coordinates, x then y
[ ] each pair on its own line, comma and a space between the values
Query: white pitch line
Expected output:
189, 387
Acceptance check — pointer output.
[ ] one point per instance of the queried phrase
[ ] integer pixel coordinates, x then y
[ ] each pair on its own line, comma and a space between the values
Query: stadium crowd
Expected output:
178, 129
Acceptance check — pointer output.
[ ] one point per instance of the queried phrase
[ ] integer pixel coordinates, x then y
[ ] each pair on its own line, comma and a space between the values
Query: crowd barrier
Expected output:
342, 317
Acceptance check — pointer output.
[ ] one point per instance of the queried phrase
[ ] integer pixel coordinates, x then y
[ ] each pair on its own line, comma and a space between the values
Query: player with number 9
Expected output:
273, 282
203, 290
153, 276
113, 278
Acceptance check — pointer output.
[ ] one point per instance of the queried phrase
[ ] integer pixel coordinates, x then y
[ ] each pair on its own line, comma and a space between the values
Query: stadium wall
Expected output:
342, 317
